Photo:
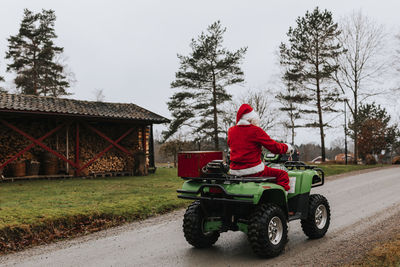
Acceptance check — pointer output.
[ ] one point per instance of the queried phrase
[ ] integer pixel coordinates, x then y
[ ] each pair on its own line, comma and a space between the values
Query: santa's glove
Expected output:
290, 149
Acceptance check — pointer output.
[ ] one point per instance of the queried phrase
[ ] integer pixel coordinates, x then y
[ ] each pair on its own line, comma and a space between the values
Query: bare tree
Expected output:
262, 101
362, 63
99, 95
171, 148
397, 59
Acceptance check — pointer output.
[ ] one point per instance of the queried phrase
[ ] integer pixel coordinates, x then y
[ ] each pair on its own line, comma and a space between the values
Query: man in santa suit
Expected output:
245, 141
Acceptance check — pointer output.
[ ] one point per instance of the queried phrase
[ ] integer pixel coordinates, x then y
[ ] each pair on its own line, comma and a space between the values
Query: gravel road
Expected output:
363, 207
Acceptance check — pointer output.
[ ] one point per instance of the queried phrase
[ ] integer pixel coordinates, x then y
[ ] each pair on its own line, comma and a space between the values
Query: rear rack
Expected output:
233, 179
224, 197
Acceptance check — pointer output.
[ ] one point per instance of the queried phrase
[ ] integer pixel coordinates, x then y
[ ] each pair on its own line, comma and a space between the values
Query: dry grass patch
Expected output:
385, 254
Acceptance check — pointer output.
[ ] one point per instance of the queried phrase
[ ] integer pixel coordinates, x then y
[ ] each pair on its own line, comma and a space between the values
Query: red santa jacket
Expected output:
245, 143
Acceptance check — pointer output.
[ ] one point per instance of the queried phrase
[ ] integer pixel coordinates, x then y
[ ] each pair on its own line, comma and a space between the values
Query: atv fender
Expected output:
276, 196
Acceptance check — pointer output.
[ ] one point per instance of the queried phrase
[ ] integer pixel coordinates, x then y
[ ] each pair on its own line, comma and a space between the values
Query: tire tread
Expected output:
192, 228
258, 233
308, 225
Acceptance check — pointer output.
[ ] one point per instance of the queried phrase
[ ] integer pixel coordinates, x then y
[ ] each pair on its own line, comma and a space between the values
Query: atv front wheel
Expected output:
319, 216
267, 230
193, 227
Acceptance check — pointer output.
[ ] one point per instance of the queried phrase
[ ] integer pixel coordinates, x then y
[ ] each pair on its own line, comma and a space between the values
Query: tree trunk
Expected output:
35, 71
355, 119
321, 124
175, 159
292, 122
293, 134
215, 111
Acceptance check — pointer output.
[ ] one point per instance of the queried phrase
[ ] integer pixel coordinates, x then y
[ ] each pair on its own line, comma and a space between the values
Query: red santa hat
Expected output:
246, 115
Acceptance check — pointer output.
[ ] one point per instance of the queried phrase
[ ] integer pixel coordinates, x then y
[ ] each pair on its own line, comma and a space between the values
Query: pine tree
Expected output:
291, 97
313, 46
32, 52
373, 130
202, 79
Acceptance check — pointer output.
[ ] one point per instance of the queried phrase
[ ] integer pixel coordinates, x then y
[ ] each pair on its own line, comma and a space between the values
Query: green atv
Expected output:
254, 205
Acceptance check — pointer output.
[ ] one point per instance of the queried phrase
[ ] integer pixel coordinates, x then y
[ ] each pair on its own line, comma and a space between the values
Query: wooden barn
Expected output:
58, 137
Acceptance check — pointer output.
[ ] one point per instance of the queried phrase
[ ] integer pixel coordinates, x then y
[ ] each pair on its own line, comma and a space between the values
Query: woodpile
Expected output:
90, 145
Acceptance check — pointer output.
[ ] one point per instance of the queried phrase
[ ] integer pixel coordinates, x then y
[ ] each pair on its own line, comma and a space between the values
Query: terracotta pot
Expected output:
18, 168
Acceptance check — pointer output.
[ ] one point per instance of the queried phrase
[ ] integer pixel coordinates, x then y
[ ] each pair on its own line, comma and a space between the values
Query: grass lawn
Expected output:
33, 202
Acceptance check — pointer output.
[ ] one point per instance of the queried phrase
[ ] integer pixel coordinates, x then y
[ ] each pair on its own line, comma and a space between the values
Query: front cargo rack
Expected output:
299, 165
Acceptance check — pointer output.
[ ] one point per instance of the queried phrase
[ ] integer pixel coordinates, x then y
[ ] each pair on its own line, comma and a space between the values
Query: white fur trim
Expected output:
243, 122
249, 116
252, 170
290, 149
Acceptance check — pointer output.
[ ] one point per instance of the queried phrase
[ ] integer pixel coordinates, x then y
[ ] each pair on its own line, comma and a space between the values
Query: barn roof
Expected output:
72, 107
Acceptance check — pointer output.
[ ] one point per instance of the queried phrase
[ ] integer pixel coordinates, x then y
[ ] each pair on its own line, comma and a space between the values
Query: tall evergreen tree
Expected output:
202, 79
291, 97
32, 53
313, 46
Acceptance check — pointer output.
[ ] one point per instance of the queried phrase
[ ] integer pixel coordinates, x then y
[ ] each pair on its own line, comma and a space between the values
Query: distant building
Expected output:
396, 160
341, 158
318, 160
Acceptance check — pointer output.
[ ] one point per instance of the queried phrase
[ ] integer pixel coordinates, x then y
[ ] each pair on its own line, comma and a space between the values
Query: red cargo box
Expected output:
190, 163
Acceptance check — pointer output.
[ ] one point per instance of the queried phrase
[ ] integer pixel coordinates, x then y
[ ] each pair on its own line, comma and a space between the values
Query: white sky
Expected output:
128, 48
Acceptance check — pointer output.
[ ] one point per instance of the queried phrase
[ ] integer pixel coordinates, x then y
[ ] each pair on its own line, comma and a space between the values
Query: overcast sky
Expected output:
128, 48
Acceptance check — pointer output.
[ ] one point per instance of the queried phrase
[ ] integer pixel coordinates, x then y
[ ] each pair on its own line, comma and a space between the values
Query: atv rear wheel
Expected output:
267, 230
318, 218
193, 227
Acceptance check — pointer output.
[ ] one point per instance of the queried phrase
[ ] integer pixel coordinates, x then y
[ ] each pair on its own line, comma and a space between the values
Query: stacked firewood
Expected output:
107, 164
10, 143
90, 145
112, 161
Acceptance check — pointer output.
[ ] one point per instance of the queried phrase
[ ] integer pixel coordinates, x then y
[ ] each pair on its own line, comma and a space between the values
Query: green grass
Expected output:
35, 202
333, 169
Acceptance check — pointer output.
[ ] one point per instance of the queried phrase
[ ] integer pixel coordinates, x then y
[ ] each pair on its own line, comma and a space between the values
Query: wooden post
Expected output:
77, 150
144, 139
151, 148
67, 147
